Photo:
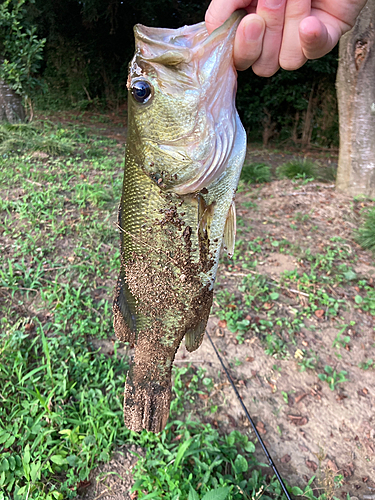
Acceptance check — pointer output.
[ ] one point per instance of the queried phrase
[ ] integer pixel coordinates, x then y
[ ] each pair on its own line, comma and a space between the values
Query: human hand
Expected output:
284, 32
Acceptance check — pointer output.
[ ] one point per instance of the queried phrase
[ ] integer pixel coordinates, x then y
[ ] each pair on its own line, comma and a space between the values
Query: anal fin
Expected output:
194, 337
124, 321
205, 216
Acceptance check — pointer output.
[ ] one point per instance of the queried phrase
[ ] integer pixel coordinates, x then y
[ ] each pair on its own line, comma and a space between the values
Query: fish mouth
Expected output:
176, 46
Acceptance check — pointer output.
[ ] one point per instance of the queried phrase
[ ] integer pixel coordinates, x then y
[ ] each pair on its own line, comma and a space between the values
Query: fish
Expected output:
185, 150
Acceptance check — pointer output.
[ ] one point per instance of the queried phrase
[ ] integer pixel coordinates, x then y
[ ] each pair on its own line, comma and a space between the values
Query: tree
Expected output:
356, 99
20, 56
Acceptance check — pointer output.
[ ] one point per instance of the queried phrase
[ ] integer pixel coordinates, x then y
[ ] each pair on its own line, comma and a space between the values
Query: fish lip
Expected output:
231, 24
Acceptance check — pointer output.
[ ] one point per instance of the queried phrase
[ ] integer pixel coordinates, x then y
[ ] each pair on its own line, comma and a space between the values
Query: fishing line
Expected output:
269, 458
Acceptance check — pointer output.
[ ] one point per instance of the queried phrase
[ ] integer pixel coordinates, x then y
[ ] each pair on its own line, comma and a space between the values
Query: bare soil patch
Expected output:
113, 480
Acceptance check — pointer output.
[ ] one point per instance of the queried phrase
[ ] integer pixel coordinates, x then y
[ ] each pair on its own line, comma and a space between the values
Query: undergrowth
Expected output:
297, 168
61, 399
256, 173
366, 233
48, 138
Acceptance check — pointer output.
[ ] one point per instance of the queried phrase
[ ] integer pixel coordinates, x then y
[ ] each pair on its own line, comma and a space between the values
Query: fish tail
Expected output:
146, 403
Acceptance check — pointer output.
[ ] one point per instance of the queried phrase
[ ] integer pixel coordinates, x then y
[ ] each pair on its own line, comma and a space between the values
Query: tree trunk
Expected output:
11, 108
356, 101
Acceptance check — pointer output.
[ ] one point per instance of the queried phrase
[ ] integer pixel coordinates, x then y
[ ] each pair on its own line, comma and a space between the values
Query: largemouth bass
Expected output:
184, 154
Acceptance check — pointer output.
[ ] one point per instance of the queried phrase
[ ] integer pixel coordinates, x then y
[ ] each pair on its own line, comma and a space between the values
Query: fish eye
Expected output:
141, 91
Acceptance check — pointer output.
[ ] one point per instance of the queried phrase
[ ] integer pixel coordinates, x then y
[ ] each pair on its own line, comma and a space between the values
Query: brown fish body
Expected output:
176, 206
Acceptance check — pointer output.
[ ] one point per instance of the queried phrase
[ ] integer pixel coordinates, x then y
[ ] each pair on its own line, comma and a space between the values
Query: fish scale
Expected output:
184, 154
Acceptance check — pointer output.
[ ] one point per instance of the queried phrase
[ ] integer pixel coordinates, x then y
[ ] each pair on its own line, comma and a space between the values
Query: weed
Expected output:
256, 173
366, 365
328, 480
250, 204
300, 217
365, 302
200, 460
22, 137
275, 346
340, 340
366, 233
332, 377
60, 414
61, 401
307, 363
297, 169
285, 397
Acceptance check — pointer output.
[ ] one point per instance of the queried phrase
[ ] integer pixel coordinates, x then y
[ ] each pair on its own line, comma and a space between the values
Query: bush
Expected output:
21, 49
366, 233
297, 169
256, 173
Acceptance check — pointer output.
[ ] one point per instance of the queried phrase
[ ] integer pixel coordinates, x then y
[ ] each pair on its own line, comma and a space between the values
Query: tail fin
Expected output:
146, 406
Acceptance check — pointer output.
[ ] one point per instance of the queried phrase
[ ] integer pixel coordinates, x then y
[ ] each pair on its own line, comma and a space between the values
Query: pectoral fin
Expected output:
229, 237
205, 216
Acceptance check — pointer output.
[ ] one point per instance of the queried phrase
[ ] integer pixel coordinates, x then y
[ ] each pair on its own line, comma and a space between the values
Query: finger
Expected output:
291, 54
319, 37
248, 41
219, 10
272, 11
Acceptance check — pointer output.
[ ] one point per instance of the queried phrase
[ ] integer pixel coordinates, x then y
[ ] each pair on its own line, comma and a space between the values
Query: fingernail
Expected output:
254, 30
273, 4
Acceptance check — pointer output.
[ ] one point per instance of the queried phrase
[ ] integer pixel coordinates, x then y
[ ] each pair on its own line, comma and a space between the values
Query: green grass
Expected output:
298, 169
46, 137
366, 233
61, 410
60, 399
254, 309
61, 415
32, 137
256, 173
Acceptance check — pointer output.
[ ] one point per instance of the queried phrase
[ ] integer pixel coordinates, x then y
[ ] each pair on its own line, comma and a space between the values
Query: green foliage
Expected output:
256, 173
366, 233
366, 365
199, 460
17, 138
44, 136
20, 48
297, 169
332, 377
308, 363
62, 414
89, 45
280, 103
342, 340
61, 400
61, 410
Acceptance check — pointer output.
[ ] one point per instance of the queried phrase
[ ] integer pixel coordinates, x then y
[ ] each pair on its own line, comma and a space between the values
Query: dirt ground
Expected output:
311, 430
